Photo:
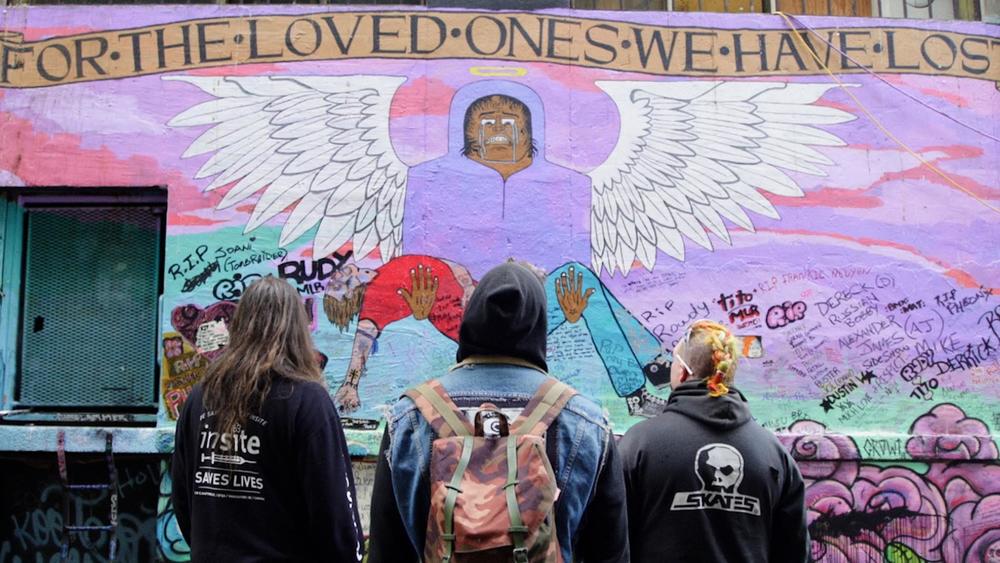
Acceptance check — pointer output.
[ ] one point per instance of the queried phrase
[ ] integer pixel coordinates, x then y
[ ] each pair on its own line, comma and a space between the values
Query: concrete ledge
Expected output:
862, 446
87, 439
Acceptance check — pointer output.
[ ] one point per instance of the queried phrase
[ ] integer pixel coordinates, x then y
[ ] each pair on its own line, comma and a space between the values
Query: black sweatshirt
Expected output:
706, 483
280, 490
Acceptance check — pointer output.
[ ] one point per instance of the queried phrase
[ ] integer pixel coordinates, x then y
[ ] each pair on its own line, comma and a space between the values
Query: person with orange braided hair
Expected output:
704, 481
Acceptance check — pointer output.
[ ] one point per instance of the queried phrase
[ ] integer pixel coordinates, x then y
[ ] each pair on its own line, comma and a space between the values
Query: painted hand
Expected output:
347, 399
572, 298
425, 287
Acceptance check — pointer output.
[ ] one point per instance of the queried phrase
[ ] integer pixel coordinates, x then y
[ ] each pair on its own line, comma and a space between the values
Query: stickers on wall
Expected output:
751, 346
183, 367
212, 336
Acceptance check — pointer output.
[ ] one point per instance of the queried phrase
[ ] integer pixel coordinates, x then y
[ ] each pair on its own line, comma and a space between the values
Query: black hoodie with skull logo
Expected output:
705, 482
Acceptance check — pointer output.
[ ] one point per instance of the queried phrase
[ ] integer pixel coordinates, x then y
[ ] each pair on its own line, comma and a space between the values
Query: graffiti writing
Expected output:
956, 305
881, 448
234, 263
189, 263
926, 324
233, 288
845, 388
315, 271
35, 534
917, 365
197, 267
784, 314
192, 283
905, 305
663, 332
742, 313
183, 368
866, 512
658, 311
856, 291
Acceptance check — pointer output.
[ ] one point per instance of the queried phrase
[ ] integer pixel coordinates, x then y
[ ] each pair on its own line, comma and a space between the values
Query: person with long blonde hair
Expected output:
260, 469
705, 482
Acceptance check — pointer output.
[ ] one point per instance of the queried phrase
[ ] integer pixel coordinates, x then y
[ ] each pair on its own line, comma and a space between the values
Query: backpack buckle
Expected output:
521, 554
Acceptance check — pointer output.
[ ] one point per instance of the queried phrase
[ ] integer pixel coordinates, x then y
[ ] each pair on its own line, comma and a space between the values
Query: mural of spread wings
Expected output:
692, 153
318, 143
689, 155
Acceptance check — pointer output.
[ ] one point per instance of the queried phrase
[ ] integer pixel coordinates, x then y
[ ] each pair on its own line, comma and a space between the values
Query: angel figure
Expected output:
689, 155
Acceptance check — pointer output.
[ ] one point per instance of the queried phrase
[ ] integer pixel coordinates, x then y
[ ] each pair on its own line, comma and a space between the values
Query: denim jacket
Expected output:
588, 471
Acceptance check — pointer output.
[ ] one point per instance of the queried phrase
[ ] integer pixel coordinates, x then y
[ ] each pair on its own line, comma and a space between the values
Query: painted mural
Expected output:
826, 187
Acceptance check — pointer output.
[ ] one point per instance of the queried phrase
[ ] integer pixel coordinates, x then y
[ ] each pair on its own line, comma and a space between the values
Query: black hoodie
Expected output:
281, 489
506, 316
705, 482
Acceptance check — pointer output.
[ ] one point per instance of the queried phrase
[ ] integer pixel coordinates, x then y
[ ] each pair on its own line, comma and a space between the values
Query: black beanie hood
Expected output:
506, 316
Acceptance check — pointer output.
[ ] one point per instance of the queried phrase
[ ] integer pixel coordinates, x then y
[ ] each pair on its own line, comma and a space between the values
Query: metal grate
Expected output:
89, 313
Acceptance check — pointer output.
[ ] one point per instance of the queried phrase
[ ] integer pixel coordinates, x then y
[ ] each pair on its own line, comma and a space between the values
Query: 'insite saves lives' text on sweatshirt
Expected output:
278, 489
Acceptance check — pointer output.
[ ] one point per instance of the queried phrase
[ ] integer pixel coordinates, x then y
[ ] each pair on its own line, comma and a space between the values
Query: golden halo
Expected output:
507, 71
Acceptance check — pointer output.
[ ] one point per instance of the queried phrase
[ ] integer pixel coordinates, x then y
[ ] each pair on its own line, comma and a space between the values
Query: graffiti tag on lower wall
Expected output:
32, 499
937, 510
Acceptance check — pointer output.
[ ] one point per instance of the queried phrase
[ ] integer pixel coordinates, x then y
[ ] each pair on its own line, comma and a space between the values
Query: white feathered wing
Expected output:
692, 153
320, 143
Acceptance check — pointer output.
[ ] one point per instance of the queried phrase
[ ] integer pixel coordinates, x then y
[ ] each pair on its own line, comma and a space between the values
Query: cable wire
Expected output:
875, 120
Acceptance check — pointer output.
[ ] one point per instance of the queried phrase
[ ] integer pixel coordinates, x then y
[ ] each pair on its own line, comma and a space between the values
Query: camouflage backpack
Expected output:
492, 497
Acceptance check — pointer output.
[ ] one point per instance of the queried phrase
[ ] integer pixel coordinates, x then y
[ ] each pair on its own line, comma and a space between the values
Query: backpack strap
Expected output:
440, 411
452, 498
548, 401
518, 530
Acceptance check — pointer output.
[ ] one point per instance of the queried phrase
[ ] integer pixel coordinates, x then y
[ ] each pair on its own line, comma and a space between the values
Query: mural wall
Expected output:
829, 191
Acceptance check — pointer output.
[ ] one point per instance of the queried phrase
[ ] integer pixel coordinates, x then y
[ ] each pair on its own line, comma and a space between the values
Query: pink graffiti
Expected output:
786, 313
949, 512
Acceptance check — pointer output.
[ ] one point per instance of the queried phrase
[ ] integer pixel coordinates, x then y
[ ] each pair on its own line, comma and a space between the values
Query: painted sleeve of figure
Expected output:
383, 305
327, 481
790, 532
180, 493
603, 533
389, 542
621, 341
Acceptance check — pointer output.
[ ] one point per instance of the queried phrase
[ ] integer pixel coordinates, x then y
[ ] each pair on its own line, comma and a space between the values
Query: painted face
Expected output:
344, 283
344, 294
499, 128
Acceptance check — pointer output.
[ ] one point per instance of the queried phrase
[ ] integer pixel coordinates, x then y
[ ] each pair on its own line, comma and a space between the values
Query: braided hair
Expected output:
724, 348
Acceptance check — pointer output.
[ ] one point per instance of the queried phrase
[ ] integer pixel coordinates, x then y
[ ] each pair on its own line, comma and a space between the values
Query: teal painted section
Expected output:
18, 438
10, 273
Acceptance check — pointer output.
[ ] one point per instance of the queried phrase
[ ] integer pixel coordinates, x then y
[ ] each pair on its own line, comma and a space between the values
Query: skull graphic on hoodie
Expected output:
719, 468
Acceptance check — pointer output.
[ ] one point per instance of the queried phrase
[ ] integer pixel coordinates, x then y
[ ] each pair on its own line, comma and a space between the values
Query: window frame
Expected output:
15, 204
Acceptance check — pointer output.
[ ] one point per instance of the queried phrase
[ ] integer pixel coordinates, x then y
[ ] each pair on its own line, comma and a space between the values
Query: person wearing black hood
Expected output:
705, 482
501, 359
